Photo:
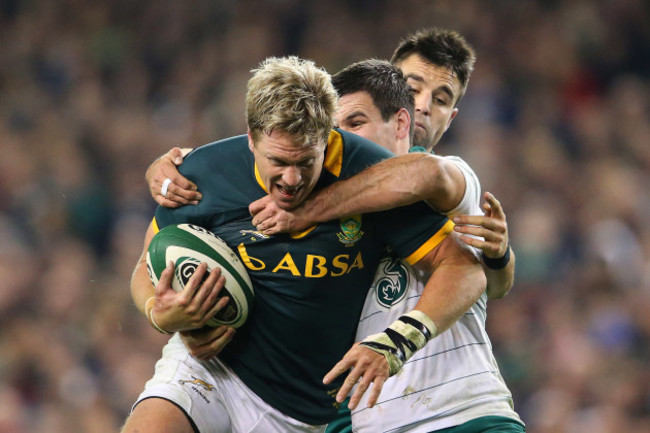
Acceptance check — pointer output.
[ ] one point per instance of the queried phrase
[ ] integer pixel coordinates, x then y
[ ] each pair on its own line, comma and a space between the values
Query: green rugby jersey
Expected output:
310, 286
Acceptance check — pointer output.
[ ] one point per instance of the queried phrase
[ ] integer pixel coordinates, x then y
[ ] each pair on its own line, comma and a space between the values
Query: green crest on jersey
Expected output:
391, 287
350, 230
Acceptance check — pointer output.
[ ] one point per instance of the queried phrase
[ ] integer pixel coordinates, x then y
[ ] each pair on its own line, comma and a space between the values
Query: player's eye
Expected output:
307, 163
278, 163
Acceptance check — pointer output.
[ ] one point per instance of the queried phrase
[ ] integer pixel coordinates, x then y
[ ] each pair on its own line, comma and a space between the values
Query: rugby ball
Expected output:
188, 246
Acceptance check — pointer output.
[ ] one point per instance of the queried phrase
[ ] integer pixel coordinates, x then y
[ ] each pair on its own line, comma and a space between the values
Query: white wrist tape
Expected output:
402, 338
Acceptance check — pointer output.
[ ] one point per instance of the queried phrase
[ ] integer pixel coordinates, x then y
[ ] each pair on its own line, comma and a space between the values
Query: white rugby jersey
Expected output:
455, 377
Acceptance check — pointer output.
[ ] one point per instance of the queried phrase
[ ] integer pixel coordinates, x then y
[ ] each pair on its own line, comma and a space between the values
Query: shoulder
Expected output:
461, 164
216, 156
470, 202
354, 153
217, 149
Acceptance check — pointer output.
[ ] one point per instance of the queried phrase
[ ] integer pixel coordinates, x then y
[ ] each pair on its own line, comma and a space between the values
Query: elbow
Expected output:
439, 187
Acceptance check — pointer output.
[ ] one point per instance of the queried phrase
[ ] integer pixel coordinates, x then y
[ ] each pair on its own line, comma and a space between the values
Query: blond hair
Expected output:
291, 95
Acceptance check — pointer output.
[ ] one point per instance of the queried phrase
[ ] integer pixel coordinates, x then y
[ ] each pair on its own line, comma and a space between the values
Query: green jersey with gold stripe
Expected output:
310, 286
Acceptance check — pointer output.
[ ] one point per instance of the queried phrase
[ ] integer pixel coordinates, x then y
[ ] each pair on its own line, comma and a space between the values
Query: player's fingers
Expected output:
194, 283
272, 230
490, 249
215, 301
180, 196
495, 205
222, 302
487, 210
258, 205
165, 280
488, 235
182, 189
361, 389
198, 336
260, 218
215, 345
208, 294
182, 186
475, 220
175, 155
473, 242
184, 152
341, 367
377, 386
353, 377
263, 217
480, 221
219, 343
208, 342
162, 201
208, 291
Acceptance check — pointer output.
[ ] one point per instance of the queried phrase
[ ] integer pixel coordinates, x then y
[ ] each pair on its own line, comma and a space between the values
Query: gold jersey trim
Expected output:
334, 156
259, 179
154, 225
302, 233
431, 243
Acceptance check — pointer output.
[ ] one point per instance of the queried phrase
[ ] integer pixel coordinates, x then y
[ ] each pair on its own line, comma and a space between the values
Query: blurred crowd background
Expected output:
556, 123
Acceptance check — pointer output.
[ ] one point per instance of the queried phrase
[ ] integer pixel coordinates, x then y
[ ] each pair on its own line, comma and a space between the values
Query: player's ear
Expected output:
454, 112
251, 143
402, 124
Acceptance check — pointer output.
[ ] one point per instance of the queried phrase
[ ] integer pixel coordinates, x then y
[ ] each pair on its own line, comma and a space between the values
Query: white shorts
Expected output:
214, 397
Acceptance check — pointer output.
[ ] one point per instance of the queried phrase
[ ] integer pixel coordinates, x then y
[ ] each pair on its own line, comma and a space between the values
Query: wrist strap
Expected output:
402, 339
149, 313
499, 263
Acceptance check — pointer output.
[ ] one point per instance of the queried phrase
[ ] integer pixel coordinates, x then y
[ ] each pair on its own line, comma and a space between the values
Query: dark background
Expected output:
555, 123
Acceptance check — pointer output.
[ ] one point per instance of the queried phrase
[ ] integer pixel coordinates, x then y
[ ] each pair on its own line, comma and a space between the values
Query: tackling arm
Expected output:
397, 182
456, 282
394, 182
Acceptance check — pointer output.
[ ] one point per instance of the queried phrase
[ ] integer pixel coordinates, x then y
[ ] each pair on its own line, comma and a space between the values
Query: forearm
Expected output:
141, 287
456, 282
500, 281
451, 290
391, 183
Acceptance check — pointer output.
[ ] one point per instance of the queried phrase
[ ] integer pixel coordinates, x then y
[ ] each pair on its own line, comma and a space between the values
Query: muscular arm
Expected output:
395, 182
456, 282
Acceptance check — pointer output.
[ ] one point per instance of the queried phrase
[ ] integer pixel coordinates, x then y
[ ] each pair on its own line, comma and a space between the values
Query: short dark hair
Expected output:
441, 47
384, 83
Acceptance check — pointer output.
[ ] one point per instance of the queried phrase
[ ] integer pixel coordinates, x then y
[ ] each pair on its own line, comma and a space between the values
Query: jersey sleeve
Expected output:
412, 231
470, 204
360, 153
